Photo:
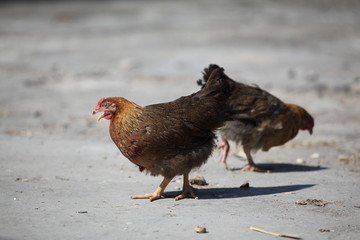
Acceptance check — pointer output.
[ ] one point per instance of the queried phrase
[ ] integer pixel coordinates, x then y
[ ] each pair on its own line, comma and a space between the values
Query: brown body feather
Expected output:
171, 138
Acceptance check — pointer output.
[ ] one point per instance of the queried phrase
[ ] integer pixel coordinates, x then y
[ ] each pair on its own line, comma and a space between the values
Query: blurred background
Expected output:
58, 58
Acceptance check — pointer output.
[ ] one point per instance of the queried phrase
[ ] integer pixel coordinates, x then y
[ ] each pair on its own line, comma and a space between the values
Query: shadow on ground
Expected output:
285, 167
237, 192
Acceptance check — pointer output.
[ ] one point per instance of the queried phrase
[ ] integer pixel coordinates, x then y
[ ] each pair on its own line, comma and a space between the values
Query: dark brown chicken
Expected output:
262, 121
168, 139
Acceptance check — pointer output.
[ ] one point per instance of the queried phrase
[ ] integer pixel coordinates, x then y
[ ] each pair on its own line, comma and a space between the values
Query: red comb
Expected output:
97, 106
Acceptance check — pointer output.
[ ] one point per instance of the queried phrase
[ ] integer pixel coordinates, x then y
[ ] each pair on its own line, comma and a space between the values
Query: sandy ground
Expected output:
61, 177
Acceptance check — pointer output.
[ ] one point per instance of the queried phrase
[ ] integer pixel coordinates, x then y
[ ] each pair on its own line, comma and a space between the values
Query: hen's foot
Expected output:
151, 196
157, 194
254, 168
187, 192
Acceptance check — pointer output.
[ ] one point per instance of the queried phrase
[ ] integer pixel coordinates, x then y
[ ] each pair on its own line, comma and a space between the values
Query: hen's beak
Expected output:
310, 131
100, 117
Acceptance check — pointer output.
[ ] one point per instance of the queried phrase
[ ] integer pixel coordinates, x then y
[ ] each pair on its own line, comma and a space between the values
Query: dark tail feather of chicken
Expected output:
206, 74
217, 86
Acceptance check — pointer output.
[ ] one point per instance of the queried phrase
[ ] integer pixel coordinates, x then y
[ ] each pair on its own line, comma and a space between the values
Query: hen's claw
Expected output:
187, 189
189, 192
151, 196
157, 194
254, 168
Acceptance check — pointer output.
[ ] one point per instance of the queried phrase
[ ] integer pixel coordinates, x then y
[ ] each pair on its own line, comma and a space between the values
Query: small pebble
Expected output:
315, 155
245, 185
300, 161
198, 180
200, 230
342, 158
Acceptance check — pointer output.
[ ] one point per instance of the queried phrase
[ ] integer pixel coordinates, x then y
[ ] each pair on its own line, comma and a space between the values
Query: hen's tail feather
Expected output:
207, 73
216, 83
217, 87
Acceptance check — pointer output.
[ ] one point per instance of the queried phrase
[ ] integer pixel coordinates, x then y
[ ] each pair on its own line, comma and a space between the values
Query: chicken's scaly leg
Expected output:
224, 146
157, 193
187, 189
251, 165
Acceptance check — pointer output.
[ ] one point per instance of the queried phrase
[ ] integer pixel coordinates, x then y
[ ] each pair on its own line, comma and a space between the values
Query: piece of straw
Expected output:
274, 233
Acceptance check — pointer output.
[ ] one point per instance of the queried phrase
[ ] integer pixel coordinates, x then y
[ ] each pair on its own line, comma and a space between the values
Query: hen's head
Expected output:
107, 108
307, 121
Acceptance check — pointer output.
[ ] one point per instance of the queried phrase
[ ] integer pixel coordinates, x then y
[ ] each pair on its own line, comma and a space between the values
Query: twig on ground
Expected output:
274, 233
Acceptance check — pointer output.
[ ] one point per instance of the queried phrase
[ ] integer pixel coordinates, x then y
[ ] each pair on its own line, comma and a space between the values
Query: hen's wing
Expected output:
179, 135
189, 121
251, 103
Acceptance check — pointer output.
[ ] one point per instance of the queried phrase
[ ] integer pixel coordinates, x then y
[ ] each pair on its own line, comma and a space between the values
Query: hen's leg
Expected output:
187, 191
224, 146
157, 193
251, 165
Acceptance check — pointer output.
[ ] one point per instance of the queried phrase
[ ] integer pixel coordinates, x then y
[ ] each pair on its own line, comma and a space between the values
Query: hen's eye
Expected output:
105, 104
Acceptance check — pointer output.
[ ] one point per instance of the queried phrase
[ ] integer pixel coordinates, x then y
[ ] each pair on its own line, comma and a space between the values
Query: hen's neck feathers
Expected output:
126, 116
299, 111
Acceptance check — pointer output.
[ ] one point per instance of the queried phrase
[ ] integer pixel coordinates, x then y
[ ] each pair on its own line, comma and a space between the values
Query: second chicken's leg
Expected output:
224, 146
251, 165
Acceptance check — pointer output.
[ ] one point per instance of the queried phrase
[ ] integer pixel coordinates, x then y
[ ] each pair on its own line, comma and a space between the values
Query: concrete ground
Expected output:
61, 177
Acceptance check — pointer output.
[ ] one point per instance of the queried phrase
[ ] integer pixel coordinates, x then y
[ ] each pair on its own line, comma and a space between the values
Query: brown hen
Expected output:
168, 139
261, 120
